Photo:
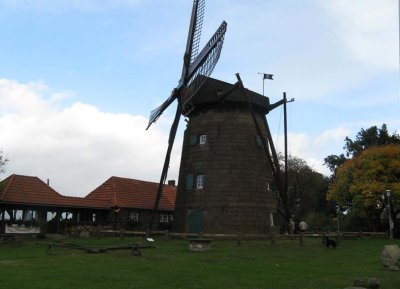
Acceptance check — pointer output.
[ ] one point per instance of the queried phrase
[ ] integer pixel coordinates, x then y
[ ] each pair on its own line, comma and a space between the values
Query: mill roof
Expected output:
212, 88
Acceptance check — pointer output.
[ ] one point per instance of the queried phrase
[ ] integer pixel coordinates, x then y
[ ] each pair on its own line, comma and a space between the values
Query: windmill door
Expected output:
196, 221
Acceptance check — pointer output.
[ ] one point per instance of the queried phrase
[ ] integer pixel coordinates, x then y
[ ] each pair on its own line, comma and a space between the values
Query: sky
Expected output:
78, 79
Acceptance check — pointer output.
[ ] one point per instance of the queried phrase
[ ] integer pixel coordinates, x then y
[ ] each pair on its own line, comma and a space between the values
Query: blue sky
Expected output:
79, 78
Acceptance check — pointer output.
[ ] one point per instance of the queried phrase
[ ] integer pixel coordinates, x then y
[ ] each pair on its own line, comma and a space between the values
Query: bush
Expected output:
318, 221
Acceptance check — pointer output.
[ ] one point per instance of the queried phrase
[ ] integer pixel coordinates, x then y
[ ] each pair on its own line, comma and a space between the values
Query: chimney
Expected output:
48, 182
171, 183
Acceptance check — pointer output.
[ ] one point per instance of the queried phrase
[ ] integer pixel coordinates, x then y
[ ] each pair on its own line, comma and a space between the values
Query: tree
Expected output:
365, 138
361, 181
369, 138
3, 162
306, 190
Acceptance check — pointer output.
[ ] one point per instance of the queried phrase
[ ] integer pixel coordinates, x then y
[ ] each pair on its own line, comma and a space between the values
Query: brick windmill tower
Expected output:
225, 176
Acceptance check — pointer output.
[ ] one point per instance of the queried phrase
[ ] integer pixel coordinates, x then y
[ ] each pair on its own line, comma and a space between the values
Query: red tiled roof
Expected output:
115, 192
131, 193
18, 189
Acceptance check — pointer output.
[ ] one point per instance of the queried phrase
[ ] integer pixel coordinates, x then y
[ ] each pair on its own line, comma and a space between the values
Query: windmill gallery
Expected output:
228, 161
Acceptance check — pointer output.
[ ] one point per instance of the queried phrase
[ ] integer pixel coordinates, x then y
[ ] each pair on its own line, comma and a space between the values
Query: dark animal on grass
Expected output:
330, 243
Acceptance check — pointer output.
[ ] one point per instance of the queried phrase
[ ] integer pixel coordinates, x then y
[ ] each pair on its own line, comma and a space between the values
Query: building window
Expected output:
66, 216
30, 215
6, 215
19, 214
164, 218
50, 216
133, 216
271, 218
200, 182
203, 139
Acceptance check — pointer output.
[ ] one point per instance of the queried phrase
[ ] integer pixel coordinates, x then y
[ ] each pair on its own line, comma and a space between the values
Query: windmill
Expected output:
228, 162
195, 65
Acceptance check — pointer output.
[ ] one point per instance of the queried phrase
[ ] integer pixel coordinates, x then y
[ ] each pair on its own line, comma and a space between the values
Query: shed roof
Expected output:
19, 189
131, 193
115, 192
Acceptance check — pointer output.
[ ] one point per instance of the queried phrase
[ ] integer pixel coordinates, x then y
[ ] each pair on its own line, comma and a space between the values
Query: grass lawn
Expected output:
253, 265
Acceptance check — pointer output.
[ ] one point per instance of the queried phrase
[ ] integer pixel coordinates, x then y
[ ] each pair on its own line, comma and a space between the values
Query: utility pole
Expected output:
286, 142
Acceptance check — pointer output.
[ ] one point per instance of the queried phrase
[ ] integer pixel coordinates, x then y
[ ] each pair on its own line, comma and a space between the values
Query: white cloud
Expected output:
317, 49
369, 29
314, 148
58, 96
78, 147
57, 6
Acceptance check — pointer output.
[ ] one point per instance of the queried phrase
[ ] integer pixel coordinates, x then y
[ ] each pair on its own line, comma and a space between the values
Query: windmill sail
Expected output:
157, 112
197, 29
194, 65
204, 63
193, 40
191, 53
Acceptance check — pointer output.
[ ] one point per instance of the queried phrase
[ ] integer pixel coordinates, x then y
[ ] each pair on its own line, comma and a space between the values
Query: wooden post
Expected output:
238, 239
301, 238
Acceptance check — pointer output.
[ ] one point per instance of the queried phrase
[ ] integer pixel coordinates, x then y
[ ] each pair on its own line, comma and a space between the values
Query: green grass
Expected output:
253, 265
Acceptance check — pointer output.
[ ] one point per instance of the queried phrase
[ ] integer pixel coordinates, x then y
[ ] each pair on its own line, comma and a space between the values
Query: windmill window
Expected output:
189, 182
268, 185
203, 139
200, 182
258, 140
271, 219
193, 140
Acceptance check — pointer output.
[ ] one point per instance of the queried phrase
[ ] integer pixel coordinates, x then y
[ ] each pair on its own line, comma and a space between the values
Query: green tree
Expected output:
365, 138
306, 190
361, 181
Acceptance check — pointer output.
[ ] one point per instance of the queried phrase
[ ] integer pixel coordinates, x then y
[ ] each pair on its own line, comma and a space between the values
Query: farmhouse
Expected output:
28, 202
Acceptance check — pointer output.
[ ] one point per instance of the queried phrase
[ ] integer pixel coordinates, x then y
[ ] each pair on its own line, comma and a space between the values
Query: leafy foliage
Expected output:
361, 181
368, 138
365, 138
306, 190
3, 162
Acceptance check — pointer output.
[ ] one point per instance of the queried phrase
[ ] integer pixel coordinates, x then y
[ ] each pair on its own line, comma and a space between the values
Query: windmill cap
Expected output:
208, 97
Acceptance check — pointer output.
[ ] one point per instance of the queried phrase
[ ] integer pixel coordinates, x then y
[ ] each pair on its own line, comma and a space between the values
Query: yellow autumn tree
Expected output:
362, 181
